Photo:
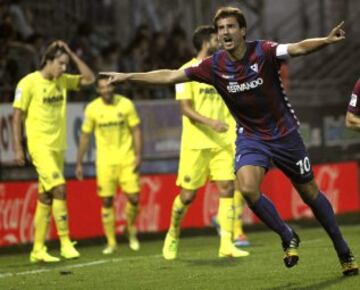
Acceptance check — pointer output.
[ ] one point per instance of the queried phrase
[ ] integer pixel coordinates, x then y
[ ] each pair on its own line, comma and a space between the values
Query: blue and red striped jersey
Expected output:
252, 90
354, 104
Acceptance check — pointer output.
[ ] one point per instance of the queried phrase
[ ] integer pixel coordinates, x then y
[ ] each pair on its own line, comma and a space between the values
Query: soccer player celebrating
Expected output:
352, 119
246, 76
206, 150
116, 126
40, 100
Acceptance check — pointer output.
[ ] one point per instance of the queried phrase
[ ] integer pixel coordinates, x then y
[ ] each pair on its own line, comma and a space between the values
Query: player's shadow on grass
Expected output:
216, 262
315, 286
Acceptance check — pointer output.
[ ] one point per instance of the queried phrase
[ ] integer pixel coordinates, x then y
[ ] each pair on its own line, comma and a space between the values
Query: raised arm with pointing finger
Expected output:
245, 73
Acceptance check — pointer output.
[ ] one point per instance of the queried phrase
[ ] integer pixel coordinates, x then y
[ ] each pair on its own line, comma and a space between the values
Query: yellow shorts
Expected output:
49, 166
111, 176
196, 165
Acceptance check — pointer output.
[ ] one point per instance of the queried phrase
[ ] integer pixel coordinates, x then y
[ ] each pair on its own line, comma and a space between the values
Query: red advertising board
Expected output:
18, 200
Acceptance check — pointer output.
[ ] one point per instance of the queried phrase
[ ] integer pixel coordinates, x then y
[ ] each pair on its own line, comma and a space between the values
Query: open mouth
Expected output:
227, 40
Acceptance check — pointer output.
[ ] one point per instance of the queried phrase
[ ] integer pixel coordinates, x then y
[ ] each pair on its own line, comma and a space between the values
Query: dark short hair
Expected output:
52, 51
201, 34
225, 12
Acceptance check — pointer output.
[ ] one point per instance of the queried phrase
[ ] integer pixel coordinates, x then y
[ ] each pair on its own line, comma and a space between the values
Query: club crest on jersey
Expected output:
353, 100
235, 87
228, 77
255, 67
187, 178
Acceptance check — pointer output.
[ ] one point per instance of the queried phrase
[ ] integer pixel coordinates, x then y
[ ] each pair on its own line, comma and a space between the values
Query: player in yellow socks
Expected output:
116, 125
40, 100
239, 237
206, 151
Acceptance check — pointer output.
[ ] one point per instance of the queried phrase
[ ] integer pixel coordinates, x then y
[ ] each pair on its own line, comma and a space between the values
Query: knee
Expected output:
250, 192
133, 199
187, 196
59, 192
308, 191
45, 198
226, 189
107, 202
248, 189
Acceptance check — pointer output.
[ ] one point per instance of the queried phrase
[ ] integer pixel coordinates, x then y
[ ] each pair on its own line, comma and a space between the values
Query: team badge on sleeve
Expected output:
18, 94
180, 88
353, 101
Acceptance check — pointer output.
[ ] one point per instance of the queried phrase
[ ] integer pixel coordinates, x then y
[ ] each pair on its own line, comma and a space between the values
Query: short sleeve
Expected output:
270, 50
89, 121
23, 94
201, 72
72, 82
354, 104
132, 116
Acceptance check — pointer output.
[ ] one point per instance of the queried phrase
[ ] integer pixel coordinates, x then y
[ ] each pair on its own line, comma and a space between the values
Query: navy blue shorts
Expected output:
287, 153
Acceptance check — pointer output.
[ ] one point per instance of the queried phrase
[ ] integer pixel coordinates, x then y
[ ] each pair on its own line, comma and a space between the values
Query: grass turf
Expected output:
196, 268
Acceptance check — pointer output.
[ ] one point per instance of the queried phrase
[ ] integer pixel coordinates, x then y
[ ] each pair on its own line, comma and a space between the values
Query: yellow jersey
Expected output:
112, 124
207, 102
44, 103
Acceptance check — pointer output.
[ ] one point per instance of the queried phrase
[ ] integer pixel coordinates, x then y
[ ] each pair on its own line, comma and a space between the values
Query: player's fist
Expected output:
219, 126
19, 157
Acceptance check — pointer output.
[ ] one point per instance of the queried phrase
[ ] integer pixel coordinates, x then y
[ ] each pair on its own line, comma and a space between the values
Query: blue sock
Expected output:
266, 211
324, 213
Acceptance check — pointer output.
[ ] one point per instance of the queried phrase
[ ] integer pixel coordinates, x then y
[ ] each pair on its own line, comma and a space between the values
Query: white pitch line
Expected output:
81, 265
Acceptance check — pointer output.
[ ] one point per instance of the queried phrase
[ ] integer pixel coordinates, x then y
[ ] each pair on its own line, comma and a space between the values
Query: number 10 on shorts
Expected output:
304, 165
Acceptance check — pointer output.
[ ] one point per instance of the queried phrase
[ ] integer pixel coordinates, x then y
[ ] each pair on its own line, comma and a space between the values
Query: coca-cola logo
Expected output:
120, 215
148, 219
16, 215
149, 213
326, 180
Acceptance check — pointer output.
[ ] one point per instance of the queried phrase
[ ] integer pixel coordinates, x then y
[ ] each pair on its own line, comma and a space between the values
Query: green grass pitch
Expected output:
196, 268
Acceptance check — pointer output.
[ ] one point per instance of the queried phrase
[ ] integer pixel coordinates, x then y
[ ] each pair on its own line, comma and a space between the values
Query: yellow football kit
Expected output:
44, 105
204, 152
112, 124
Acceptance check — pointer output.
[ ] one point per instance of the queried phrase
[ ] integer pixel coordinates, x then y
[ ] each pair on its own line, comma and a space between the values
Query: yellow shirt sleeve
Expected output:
23, 95
88, 125
71, 82
132, 116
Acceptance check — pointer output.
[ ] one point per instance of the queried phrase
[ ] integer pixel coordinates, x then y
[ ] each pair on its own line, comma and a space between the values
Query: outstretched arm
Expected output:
313, 44
156, 77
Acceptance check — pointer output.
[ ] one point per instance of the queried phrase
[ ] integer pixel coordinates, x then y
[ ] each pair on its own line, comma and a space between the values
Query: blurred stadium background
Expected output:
140, 35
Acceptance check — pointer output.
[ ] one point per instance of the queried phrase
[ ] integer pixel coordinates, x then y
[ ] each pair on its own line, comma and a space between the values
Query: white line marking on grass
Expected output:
81, 265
